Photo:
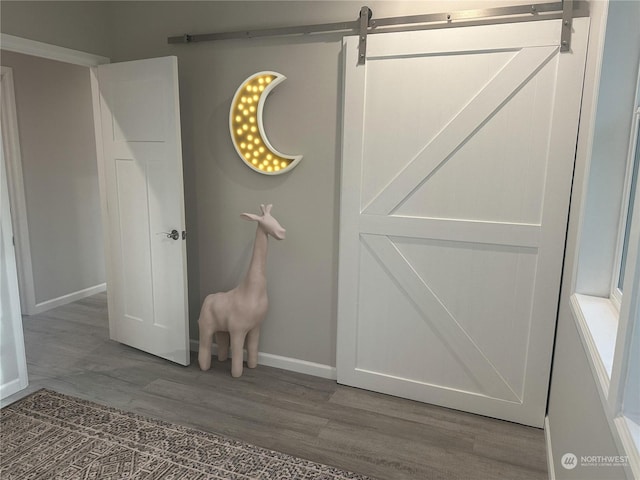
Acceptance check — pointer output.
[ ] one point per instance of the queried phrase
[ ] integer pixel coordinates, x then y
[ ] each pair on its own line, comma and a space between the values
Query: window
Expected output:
606, 291
628, 287
634, 161
631, 398
610, 327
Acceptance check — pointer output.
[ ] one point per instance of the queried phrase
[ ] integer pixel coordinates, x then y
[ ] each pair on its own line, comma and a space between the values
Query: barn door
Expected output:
142, 174
458, 151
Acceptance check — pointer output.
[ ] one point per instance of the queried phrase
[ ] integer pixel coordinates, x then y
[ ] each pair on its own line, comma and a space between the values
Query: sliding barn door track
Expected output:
365, 24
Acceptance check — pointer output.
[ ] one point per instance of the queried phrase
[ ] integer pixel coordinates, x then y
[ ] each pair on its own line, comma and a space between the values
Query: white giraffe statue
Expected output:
238, 313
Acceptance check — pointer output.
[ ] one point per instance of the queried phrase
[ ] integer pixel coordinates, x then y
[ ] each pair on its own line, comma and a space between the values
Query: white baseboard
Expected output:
71, 297
547, 441
14, 386
285, 363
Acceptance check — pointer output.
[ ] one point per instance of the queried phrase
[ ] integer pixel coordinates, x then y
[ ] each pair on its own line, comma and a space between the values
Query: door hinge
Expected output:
184, 234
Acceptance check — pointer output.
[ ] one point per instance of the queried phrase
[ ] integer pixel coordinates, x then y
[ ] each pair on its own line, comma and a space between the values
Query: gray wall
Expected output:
302, 116
84, 26
57, 141
302, 269
577, 420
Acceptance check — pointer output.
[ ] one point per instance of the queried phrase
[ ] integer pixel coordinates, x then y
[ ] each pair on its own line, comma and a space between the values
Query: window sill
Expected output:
634, 430
629, 432
597, 320
597, 323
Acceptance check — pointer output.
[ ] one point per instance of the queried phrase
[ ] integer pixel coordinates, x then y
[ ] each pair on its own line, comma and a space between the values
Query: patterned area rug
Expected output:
49, 435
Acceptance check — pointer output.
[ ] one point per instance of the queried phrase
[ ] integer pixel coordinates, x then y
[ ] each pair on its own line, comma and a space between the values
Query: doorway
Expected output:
49, 151
127, 107
53, 181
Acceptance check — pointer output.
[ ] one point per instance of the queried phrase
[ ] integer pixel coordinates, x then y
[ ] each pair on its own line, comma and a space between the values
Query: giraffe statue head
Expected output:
266, 222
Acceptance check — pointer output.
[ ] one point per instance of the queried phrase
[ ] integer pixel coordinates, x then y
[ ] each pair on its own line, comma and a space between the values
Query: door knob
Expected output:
173, 234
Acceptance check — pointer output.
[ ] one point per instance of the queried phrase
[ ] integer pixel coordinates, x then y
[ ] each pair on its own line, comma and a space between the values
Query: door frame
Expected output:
17, 199
13, 161
8, 257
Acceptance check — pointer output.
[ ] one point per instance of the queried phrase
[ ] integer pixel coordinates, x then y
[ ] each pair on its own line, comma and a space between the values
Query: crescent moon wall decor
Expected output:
247, 128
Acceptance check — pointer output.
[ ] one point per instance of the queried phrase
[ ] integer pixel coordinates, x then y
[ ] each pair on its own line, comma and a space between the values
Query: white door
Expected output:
13, 363
142, 172
458, 150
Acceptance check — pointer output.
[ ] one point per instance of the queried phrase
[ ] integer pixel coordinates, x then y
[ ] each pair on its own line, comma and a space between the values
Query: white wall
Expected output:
57, 142
577, 420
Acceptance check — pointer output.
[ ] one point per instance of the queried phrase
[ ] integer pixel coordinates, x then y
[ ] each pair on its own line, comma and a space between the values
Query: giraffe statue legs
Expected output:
222, 340
252, 347
236, 315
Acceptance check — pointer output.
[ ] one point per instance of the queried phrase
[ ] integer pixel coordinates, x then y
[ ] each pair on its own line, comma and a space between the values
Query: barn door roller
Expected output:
366, 25
365, 16
567, 22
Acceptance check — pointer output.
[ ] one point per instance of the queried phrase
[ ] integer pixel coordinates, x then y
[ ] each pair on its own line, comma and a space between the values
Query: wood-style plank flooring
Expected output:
68, 350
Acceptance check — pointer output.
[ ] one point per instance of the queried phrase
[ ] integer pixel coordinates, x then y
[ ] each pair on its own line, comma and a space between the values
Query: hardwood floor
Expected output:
388, 438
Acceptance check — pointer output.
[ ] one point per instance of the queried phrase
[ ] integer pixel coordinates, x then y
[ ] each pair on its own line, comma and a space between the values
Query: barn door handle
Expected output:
173, 234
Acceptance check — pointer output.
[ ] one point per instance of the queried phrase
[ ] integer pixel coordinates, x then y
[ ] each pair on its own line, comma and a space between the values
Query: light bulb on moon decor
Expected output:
247, 128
